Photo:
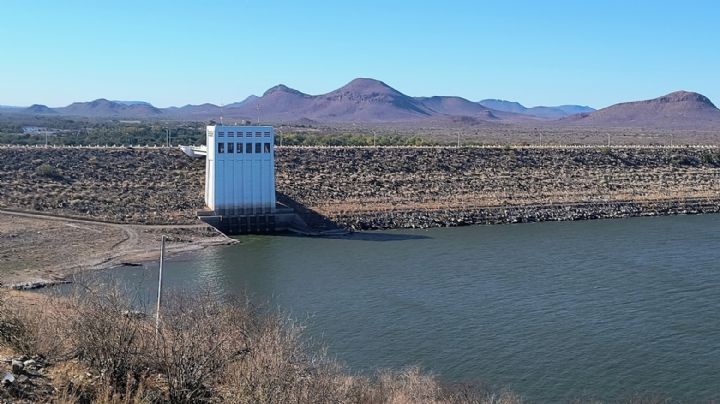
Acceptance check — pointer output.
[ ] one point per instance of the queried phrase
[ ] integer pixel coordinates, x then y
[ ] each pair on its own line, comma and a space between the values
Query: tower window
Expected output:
231, 134
266, 148
221, 134
258, 147
239, 147
231, 146
248, 148
221, 147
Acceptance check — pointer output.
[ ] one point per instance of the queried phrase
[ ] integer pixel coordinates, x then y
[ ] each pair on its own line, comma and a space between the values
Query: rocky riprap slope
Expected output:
370, 188
149, 186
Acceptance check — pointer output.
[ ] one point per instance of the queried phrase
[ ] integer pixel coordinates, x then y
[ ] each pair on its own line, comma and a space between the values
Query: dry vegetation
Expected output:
142, 186
95, 347
341, 181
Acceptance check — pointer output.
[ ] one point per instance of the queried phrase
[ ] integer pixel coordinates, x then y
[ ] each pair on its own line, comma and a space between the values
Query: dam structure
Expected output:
240, 181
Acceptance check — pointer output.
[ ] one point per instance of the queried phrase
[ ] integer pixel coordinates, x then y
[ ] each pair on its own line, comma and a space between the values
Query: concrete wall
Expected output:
240, 170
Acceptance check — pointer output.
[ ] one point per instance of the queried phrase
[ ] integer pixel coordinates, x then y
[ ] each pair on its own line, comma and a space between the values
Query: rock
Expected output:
30, 363
22, 379
8, 379
17, 366
39, 284
134, 314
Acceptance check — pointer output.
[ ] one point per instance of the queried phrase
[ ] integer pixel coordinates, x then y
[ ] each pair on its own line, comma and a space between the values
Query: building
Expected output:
240, 170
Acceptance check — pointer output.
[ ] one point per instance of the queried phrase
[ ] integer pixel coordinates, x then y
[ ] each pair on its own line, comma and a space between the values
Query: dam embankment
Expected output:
377, 188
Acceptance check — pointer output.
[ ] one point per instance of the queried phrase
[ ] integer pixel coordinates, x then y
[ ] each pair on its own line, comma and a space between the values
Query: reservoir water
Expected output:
553, 311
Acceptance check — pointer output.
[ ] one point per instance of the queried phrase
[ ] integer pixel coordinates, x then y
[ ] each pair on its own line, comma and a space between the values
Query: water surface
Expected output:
553, 311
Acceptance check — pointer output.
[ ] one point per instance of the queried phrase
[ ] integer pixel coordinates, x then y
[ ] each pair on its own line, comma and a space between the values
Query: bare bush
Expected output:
280, 367
46, 170
108, 337
30, 329
205, 350
199, 338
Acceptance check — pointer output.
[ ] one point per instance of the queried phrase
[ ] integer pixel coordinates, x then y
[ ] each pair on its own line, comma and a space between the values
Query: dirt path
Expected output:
41, 248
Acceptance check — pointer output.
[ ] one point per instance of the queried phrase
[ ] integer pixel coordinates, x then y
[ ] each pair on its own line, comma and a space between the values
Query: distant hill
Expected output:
679, 110
39, 109
194, 112
502, 105
361, 100
247, 101
366, 100
105, 108
457, 106
540, 112
132, 102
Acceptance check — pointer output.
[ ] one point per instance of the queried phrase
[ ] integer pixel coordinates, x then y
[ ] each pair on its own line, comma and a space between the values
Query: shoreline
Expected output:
127, 251
523, 214
71, 246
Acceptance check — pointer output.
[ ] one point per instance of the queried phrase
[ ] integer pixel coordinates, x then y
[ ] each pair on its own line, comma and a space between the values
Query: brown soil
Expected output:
38, 248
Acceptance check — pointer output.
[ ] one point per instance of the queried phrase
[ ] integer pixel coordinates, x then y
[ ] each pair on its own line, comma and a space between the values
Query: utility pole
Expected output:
159, 292
168, 137
374, 137
280, 131
458, 139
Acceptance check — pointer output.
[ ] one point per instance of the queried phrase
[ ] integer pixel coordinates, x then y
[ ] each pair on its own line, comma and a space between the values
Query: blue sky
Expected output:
178, 52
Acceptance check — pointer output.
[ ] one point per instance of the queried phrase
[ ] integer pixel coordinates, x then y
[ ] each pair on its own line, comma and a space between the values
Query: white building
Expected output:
240, 170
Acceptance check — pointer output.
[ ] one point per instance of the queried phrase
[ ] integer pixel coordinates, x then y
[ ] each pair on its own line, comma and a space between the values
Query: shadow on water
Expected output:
364, 236
312, 218
319, 222
377, 236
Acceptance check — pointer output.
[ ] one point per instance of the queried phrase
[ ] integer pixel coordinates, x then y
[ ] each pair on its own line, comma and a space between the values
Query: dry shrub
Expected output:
404, 387
108, 337
411, 385
106, 394
280, 367
31, 329
206, 350
199, 338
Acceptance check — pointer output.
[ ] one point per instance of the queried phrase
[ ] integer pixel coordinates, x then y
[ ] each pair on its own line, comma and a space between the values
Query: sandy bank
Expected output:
38, 249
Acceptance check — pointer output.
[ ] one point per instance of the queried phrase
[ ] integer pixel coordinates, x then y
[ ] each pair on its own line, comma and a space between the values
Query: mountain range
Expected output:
372, 101
677, 110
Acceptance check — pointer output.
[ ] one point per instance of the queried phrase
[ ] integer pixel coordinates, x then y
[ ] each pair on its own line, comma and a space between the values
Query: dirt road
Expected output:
42, 248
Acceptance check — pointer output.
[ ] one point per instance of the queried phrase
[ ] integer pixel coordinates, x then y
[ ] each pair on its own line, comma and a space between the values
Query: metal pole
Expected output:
168, 137
458, 145
159, 293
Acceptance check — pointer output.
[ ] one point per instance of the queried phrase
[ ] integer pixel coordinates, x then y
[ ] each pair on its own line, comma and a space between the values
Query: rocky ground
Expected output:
142, 186
423, 187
